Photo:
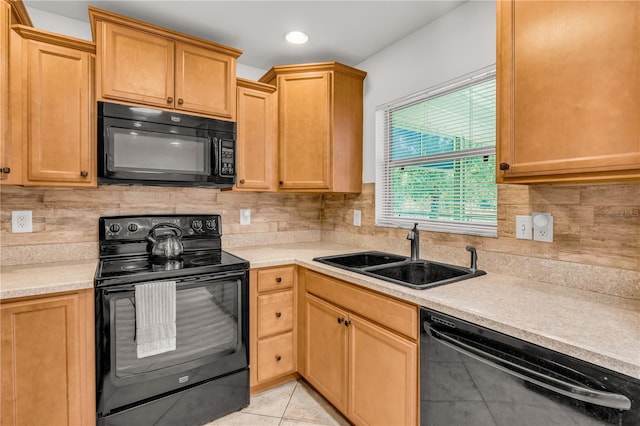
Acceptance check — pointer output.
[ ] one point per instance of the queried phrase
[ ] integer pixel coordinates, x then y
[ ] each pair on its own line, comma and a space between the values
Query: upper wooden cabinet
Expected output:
319, 126
52, 109
257, 135
568, 91
5, 24
145, 64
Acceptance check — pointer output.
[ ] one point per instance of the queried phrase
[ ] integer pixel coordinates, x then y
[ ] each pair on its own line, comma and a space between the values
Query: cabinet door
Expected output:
135, 66
326, 350
205, 81
569, 90
60, 140
383, 376
5, 22
305, 130
47, 372
256, 140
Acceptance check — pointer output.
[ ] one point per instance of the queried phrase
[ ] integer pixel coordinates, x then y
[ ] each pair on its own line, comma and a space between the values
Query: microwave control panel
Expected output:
227, 158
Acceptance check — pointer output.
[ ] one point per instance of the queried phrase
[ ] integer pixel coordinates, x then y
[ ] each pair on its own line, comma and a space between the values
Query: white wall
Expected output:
59, 24
460, 42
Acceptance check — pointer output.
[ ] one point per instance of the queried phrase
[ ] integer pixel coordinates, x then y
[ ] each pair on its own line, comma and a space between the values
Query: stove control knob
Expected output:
211, 224
114, 228
197, 225
132, 227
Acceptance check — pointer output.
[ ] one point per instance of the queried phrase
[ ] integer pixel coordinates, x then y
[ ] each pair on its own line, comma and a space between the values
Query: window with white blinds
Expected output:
435, 158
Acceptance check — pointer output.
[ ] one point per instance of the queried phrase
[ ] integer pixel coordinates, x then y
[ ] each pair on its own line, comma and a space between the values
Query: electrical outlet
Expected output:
542, 227
524, 226
357, 218
245, 216
21, 221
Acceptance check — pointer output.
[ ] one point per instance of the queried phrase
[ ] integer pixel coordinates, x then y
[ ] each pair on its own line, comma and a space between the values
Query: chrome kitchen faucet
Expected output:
414, 236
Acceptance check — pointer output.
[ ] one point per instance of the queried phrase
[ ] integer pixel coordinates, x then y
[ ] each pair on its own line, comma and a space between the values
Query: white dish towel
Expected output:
155, 318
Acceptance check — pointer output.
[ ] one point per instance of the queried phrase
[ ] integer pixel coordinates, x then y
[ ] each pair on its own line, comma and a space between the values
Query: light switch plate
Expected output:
542, 227
245, 216
524, 228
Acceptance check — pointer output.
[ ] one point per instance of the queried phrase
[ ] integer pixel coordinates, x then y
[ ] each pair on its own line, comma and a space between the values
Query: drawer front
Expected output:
394, 314
275, 278
275, 356
275, 313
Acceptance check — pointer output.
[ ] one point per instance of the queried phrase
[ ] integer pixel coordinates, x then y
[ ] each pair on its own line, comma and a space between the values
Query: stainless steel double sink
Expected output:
418, 274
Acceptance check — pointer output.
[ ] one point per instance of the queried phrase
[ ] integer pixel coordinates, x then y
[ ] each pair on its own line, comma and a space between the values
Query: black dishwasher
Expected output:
471, 375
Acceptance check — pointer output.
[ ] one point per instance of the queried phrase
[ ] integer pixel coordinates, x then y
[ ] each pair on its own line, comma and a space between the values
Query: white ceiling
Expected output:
343, 31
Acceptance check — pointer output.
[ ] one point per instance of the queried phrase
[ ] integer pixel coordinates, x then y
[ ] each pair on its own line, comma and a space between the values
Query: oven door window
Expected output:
208, 326
150, 152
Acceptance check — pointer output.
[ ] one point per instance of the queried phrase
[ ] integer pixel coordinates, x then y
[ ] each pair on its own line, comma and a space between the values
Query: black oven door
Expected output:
211, 340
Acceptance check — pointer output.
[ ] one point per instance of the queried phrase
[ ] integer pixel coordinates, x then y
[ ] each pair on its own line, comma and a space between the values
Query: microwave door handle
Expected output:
593, 396
215, 155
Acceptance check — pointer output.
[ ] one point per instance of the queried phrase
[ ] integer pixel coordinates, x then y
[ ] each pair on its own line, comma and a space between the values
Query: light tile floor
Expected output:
291, 404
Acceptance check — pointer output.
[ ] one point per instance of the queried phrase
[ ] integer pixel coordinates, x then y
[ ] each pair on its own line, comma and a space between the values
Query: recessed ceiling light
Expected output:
296, 37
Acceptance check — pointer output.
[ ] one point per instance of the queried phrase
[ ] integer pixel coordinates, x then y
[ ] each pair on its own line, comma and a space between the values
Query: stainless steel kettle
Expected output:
167, 245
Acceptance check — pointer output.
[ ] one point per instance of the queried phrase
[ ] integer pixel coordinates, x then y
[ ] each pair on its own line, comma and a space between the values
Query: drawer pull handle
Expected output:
278, 314
278, 279
278, 357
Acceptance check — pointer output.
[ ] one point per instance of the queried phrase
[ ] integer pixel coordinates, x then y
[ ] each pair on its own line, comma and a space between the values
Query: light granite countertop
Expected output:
597, 328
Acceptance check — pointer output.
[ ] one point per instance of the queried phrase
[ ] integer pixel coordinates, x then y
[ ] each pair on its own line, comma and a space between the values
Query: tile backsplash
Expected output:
65, 221
596, 235
596, 227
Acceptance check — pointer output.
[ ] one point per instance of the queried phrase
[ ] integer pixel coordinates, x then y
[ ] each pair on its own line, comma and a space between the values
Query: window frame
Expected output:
384, 165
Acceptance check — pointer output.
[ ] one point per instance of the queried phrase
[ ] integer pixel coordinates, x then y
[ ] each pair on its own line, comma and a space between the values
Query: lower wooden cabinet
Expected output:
48, 375
360, 351
272, 326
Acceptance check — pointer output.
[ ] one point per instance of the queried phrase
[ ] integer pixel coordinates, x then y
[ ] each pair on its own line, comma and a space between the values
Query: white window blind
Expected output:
435, 158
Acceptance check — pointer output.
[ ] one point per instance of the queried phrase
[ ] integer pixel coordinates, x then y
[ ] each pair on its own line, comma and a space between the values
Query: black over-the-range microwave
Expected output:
145, 146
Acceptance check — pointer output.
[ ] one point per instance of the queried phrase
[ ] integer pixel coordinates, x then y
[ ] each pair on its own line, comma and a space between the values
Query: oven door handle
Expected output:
179, 281
581, 393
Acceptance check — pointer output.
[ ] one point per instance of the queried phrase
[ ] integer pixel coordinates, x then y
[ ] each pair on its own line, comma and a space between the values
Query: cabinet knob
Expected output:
180, 101
6, 170
278, 279
340, 320
504, 166
278, 357
241, 181
281, 182
169, 100
347, 323
84, 173
278, 314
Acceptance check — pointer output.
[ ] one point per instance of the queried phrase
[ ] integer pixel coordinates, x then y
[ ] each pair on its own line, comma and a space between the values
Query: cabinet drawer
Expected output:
275, 278
275, 356
275, 313
394, 314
